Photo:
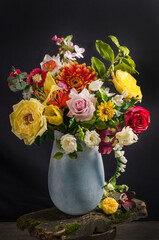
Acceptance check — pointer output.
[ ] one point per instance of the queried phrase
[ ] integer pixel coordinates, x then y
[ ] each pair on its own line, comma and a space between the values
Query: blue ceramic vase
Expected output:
76, 185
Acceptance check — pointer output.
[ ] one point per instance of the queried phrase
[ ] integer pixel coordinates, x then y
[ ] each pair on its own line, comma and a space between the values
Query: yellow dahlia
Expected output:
75, 76
106, 110
109, 205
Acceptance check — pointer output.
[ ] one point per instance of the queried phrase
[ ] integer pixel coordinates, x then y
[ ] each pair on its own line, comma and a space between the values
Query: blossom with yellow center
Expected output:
76, 76
109, 205
106, 110
123, 81
53, 115
27, 120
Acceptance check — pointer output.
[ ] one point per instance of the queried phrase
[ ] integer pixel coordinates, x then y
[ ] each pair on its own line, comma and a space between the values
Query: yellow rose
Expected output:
123, 81
27, 120
109, 205
53, 115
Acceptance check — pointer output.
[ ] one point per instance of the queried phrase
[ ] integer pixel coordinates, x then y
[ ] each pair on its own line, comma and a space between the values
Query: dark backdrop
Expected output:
26, 31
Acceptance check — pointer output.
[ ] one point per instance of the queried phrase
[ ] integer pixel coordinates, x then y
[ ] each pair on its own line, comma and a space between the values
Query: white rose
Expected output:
92, 139
95, 85
126, 136
118, 100
68, 143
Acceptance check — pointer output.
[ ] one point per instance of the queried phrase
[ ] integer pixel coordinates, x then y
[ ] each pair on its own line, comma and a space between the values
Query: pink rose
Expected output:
138, 118
81, 105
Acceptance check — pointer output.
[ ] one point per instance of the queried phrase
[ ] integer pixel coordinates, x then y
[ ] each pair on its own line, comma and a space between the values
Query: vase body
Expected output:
76, 185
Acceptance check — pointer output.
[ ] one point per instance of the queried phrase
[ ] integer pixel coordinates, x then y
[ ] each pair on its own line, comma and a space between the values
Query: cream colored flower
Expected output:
68, 143
110, 187
92, 139
118, 100
126, 136
95, 85
27, 120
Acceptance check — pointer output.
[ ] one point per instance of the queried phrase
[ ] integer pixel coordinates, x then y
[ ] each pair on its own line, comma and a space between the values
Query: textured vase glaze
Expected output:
75, 185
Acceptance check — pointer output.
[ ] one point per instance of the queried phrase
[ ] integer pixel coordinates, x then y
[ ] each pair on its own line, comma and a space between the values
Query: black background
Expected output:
25, 35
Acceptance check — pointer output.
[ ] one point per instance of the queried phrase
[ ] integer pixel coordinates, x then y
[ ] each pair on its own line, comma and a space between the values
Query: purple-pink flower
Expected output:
81, 105
107, 140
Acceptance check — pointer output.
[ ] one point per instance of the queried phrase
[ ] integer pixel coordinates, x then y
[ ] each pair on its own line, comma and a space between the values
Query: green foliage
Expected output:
105, 50
21, 85
120, 188
72, 126
98, 66
124, 50
128, 104
58, 144
40, 140
23, 75
98, 96
104, 95
100, 125
79, 147
17, 83
70, 228
68, 38
114, 40
80, 133
88, 124
73, 155
58, 155
124, 67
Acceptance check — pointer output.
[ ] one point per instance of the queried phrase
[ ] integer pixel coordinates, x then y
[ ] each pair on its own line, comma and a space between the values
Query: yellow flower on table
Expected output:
123, 81
27, 120
109, 205
53, 115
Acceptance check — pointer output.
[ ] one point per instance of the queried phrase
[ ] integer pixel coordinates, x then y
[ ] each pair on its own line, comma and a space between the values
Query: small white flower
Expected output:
92, 139
119, 154
48, 58
126, 136
123, 159
68, 143
95, 85
105, 193
109, 94
122, 168
27, 95
110, 187
118, 100
70, 56
117, 147
79, 51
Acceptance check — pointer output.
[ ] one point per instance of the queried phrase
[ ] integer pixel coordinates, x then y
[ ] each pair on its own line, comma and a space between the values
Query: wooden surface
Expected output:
131, 231
53, 224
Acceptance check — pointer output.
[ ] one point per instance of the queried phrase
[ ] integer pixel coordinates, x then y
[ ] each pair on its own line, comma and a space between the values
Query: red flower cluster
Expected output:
14, 75
138, 118
37, 76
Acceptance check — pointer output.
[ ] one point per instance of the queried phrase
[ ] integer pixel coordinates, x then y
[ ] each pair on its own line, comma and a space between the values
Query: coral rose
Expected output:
138, 118
27, 120
81, 105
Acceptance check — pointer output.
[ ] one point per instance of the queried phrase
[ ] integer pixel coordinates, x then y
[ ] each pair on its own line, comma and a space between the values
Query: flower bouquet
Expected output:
71, 104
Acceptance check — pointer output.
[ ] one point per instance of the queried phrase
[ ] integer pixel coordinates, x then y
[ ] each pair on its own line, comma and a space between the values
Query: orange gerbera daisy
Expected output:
76, 76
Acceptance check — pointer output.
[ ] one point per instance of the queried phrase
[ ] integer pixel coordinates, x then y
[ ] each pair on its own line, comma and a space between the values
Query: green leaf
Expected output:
79, 147
114, 40
98, 66
124, 67
124, 50
39, 140
113, 181
100, 125
12, 80
21, 85
49, 134
58, 155
68, 38
80, 133
72, 126
58, 144
105, 50
23, 75
27, 88
13, 88
100, 204
98, 96
130, 63
73, 155
103, 94
120, 188
88, 124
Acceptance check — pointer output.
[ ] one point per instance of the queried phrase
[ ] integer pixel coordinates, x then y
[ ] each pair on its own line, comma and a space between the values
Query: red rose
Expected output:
138, 118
